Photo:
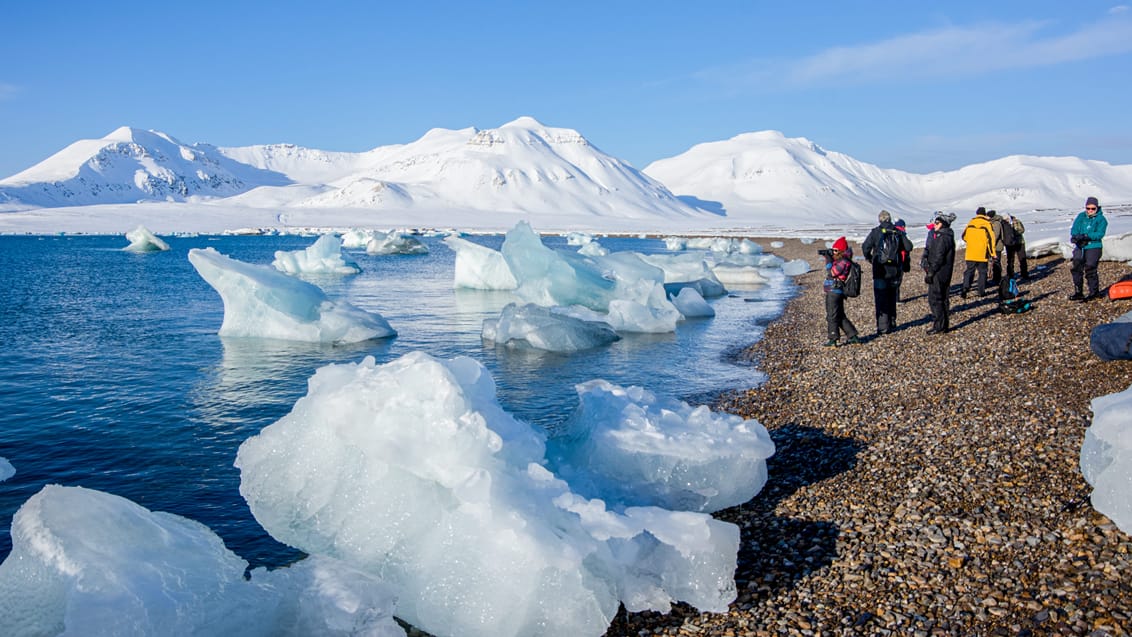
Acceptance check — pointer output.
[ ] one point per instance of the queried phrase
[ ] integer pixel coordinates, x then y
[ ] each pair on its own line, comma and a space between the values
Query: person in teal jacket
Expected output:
1086, 234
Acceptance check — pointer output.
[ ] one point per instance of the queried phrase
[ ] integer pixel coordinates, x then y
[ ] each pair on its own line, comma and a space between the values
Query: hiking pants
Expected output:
885, 294
939, 300
1085, 267
996, 269
974, 267
835, 319
1018, 250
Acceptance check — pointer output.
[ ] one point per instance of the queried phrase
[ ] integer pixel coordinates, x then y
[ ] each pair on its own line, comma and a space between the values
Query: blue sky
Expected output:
919, 86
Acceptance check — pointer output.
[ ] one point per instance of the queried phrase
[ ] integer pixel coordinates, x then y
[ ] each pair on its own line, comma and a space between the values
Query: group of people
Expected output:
990, 240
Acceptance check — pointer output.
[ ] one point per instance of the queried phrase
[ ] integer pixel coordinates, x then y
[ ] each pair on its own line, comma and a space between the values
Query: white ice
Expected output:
536, 327
89, 563
324, 256
578, 238
796, 267
628, 446
739, 275
593, 249
6, 469
479, 267
1106, 457
394, 243
687, 270
1118, 248
691, 304
142, 240
549, 277
356, 238
413, 471
261, 302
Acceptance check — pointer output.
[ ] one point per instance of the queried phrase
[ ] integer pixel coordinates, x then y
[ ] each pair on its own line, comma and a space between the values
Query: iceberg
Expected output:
536, 327
142, 240
1106, 457
796, 267
324, 256
6, 469
629, 447
479, 267
261, 302
413, 471
691, 304
687, 270
394, 243
84, 562
739, 275
593, 249
548, 277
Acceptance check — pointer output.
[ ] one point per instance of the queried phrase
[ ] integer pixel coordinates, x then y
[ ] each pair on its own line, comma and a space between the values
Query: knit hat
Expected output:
900, 224
841, 244
981, 211
946, 217
1092, 201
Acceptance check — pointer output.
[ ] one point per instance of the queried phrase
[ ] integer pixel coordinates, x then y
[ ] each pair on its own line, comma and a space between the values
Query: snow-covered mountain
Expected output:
522, 166
757, 180
765, 175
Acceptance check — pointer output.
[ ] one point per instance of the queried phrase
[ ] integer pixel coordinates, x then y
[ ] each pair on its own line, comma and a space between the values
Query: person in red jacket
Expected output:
837, 264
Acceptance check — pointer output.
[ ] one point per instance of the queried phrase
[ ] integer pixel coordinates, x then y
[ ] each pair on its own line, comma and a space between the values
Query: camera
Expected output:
1080, 240
826, 252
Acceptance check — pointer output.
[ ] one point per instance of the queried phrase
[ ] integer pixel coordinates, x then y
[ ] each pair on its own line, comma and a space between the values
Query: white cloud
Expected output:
947, 52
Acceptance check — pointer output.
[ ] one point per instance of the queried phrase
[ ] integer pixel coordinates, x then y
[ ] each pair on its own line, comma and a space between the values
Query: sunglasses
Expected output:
1090, 207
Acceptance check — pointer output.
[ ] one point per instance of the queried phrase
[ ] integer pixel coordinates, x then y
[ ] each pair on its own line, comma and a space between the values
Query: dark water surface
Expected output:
113, 377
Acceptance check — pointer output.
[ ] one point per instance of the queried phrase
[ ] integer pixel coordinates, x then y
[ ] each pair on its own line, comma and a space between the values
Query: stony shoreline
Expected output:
926, 485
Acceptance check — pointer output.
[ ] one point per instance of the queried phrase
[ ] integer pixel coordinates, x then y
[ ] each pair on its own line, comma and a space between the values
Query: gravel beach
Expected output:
926, 484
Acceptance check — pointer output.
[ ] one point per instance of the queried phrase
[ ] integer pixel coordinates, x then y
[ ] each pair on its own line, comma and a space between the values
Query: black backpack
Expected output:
1008, 238
889, 247
852, 285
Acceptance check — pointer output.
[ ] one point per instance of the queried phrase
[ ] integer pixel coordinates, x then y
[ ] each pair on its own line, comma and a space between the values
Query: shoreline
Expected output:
925, 485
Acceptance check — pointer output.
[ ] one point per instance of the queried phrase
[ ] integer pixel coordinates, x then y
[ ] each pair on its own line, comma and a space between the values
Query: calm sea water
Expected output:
114, 377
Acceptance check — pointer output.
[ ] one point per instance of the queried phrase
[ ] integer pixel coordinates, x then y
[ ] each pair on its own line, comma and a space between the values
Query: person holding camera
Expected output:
1087, 234
938, 263
838, 262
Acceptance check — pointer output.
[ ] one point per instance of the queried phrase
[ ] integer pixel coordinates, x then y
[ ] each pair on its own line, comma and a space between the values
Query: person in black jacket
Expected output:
886, 272
939, 261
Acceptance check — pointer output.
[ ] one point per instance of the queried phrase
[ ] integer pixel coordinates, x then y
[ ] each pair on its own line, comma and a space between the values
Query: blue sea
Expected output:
114, 377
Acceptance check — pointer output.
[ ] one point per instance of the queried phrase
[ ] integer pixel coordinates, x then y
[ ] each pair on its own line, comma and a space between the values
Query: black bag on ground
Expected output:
1112, 341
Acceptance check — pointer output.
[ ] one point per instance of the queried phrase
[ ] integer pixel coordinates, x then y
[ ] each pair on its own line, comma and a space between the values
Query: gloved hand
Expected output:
928, 279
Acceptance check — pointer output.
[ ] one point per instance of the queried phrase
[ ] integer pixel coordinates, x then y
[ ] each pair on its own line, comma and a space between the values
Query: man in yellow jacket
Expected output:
980, 249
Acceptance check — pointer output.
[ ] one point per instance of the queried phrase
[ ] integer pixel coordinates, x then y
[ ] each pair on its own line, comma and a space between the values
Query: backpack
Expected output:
852, 285
1018, 227
1008, 238
889, 247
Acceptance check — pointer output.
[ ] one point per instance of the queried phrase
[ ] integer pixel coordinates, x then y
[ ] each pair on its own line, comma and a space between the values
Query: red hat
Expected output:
841, 244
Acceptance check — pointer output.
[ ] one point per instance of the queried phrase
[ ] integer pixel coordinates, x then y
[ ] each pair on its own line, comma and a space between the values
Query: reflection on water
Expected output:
115, 378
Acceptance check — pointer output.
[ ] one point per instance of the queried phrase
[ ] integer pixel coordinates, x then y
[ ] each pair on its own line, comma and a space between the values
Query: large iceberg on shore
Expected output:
261, 302
413, 471
142, 240
85, 562
536, 327
324, 256
479, 267
628, 446
1106, 457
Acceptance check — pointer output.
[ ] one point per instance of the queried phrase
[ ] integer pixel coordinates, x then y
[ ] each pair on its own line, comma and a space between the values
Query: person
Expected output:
905, 257
887, 274
837, 264
939, 261
980, 248
998, 227
1087, 234
1018, 249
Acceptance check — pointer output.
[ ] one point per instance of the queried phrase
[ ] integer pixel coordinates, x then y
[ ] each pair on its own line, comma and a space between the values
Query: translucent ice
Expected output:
264, 303
413, 471
691, 304
1106, 457
537, 327
394, 243
142, 240
85, 562
630, 447
795, 267
324, 256
479, 267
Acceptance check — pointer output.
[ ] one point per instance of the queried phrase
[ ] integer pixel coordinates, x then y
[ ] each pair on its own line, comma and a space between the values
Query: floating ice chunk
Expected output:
549, 277
691, 304
675, 244
1106, 457
593, 249
412, 470
739, 275
394, 243
85, 562
356, 238
479, 267
578, 238
746, 246
6, 469
687, 270
537, 327
795, 267
629, 447
264, 303
324, 256
142, 240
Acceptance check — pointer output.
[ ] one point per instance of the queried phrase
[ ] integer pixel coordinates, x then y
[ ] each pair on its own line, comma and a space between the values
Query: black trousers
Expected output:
975, 267
1018, 250
939, 300
886, 292
1085, 267
835, 319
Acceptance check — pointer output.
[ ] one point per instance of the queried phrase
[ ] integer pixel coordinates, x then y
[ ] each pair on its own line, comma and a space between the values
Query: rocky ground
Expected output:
926, 484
